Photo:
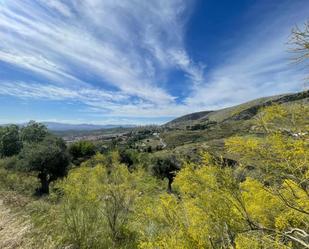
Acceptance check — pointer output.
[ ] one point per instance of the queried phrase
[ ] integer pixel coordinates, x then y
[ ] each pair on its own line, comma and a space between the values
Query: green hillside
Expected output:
243, 111
209, 129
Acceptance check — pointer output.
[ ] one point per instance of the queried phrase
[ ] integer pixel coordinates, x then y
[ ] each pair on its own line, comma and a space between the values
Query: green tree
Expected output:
10, 143
33, 132
166, 167
129, 157
48, 157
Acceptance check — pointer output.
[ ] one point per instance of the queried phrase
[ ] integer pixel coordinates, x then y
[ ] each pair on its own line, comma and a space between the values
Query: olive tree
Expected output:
166, 167
33, 132
48, 158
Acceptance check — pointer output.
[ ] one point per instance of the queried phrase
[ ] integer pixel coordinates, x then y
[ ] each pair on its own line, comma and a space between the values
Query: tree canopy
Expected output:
10, 143
33, 132
48, 157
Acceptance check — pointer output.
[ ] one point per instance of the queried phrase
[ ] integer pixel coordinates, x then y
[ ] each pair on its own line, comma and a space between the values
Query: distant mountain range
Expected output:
55, 126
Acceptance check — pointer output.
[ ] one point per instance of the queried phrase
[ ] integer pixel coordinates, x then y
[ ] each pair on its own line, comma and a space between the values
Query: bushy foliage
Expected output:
214, 210
282, 157
129, 157
10, 143
81, 151
203, 214
16, 181
33, 132
286, 119
99, 206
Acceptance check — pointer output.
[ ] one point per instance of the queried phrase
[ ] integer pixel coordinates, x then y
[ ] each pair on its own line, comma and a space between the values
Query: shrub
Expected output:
17, 181
81, 151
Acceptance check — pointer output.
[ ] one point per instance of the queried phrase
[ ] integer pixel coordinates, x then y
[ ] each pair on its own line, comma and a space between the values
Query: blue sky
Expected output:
138, 61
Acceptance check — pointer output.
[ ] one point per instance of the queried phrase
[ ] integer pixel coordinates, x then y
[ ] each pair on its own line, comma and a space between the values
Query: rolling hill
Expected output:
208, 129
243, 111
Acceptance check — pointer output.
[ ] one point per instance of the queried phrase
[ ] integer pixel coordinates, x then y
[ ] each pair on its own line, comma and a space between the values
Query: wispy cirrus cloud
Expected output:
107, 39
259, 64
53, 92
59, 6
101, 102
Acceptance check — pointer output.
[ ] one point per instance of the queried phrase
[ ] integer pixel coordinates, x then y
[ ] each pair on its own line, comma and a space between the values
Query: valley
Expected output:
106, 188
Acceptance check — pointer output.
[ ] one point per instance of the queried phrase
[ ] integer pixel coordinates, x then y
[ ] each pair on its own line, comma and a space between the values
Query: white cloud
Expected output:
101, 102
259, 65
59, 6
105, 38
193, 71
51, 92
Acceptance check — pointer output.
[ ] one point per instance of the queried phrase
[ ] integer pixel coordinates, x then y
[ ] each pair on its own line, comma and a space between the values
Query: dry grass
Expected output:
16, 229
13, 229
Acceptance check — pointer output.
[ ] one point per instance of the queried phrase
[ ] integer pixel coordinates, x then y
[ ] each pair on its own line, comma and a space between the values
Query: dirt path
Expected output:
13, 229
163, 144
